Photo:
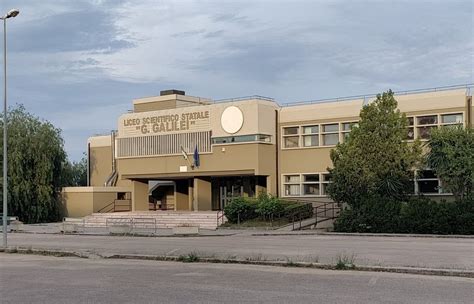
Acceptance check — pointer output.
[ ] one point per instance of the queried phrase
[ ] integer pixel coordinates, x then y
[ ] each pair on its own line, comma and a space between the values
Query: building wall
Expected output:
83, 201
271, 160
317, 159
231, 159
100, 159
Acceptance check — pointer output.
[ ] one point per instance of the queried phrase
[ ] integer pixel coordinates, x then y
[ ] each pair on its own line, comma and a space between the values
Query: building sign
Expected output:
164, 122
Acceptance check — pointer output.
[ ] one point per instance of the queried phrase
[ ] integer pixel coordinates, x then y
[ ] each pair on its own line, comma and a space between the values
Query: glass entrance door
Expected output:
226, 188
229, 190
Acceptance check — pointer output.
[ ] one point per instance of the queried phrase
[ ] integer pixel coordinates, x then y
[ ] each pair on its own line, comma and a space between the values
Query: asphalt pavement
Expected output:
40, 279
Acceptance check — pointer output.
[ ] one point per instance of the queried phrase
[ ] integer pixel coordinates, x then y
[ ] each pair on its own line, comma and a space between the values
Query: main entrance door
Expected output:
229, 191
224, 189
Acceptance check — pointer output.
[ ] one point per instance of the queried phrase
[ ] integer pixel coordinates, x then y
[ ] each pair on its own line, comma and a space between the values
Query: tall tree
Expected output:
375, 159
451, 156
74, 174
36, 158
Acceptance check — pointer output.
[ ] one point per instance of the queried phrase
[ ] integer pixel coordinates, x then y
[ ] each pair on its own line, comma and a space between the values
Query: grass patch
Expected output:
345, 262
290, 263
192, 257
256, 258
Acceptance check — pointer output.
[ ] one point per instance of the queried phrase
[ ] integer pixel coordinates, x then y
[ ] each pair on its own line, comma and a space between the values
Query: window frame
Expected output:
416, 187
439, 124
302, 183
284, 136
320, 134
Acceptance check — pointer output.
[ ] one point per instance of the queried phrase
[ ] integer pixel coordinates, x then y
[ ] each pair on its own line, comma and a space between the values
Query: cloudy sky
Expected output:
79, 63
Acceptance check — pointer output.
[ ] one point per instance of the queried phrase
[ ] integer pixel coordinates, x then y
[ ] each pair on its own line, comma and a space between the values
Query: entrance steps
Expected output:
163, 219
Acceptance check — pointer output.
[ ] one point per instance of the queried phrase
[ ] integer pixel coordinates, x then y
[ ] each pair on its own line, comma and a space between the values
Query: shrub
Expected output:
374, 215
465, 216
242, 207
422, 215
269, 206
417, 215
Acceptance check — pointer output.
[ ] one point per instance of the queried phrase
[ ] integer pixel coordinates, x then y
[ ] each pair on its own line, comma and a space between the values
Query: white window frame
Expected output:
417, 188
285, 183
344, 132
303, 135
320, 134
302, 183
438, 124
283, 146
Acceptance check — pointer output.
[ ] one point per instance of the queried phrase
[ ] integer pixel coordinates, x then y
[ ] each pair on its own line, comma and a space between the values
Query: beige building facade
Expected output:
184, 153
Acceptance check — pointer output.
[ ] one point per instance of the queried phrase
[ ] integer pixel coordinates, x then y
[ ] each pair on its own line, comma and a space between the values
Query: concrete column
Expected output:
139, 196
202, 194
190, 194
182, 195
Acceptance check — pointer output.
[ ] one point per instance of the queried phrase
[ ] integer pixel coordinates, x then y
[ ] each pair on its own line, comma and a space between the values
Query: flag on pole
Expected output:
185, 155
196, 157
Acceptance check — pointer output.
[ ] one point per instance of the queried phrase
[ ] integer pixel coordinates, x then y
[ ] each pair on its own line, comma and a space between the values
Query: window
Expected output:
241, 138
330, 134
291, 137
451, 119
311, 136
292, 185
411, 128
311, 184
325, 182
306, 184
425, 182
421, 126
346, 129
425, 124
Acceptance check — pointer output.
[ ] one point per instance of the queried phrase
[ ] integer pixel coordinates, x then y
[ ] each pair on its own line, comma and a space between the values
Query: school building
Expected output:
184, 153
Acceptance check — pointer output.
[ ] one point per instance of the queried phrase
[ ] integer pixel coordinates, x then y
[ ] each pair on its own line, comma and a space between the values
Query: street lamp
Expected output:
12, 13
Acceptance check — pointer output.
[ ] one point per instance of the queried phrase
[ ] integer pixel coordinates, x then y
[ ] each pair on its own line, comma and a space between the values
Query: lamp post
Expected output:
12, 13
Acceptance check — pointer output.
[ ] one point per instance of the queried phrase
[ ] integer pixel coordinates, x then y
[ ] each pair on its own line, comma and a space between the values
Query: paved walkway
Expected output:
441, 253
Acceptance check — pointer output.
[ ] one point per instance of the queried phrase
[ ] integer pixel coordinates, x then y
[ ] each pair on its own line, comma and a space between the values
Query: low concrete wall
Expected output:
83, 201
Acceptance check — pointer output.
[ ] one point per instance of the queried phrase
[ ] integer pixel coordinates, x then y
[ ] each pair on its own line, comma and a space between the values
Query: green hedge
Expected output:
242, 207
418, 215
266, 207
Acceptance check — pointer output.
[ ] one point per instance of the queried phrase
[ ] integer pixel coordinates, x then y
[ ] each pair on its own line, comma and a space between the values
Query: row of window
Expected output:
242, 138
421, 126
315, 184
317, 135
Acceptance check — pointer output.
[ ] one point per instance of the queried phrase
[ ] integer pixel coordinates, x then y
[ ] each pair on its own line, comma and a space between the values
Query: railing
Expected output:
326, 211
322, 211
117, 206
366, 96
220, 217
258, 97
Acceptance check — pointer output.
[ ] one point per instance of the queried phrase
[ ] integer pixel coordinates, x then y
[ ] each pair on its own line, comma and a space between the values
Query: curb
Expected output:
277, 263
394, 235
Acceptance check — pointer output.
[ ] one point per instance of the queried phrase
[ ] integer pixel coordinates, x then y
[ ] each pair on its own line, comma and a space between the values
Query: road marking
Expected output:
172, 251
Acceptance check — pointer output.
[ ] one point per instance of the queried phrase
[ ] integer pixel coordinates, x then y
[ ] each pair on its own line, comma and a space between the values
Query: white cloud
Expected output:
96, 55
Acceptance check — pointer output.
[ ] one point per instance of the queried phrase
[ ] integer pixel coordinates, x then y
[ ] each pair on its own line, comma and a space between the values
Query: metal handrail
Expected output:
112, 207
365, 96
220, 216
258, 97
